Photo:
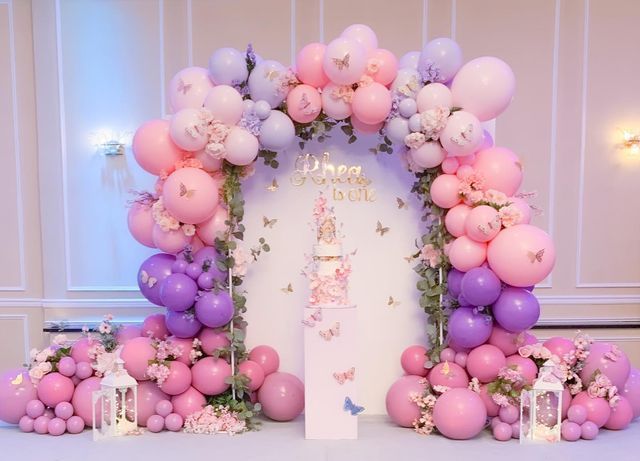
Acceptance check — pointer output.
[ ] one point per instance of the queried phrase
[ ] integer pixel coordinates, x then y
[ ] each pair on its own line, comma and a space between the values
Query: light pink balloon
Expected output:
214, 227
127, 332
173, 422
385, 64
254, 372
467, 159
465, 254
266, 357
610, 361
524, 207
459, 414
64, 410
190, 195
429, 155
450, 165
164, 408
75, 425
362, 34
172, 241
281, 396
26, 424
186, 344
445, 191
140, 222
631, 391
309, 65
448, 374
241, 146
413, 359
304, 103
188, 402
482, 224
521, 255
500, 168
225, 104
196, 244
209, 375
371, 103
56, 426
365, 128
525, 366
184, 130
598, 409
345, 61
400, 408
149, 394
621, 415
41, 424
455, 218
434, 95
189, 87
14, 395
55, 388
333, 106
209, 163
179, 379
560, 347
484, 362
81, 399
136, 354
213, 339
154, 326
509, 414
462, 135
155, 423
507, 342
484, 86
153, 148
491, 406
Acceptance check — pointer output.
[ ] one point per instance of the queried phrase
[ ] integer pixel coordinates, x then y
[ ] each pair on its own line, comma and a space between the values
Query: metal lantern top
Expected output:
547, 379
119, 378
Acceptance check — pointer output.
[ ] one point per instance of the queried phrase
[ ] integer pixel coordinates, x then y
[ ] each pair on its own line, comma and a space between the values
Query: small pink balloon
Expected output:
455, 219
434, 95
281, 396
164, 408
598, 409
335, 103
500, 168
64, 410
482, 223
371, 103
81, 400
382, 65
254, 372
429, 155
461, 359
155, 423
75, 425
365, 128
445, 191
56, 426
189, 87
128, 332
153, 147
450, 165
525, 366
494, 421
447, 355
172, 241
413, 359
173, 422
140, 222
225, 104
507, 342
509, 414
484, 362
241, 147
179, 379
561, 347
577, 414
462, 135
400, 408
83, 370
41, 424
80, 349
465, 254
154, 326
190, 195
491, 406
631, 391
304, 103
188, 402
55, 388
610, 361
213, 339
214, 227
448, 374
266, 357
209, 375
589, 430
459, 414
621, 415
26, 424
136, 354
502, 432
67, 366
309, 65
34, 408
515, 430
570, 431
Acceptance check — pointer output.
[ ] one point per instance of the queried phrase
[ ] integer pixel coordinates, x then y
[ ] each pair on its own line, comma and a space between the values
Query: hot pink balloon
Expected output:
522, 255
304, 103
266, 357
81, 399
447, 355
482, 224
525, 366
413, 359
189, 87
500, 168
365, 128
491, 406
362, 34
140, 222
214, 227
153, 148
561, 347
610, 361
455, 219
459, 414
631, 391
127, 332
382, 65
371, 103
621, 415
55, 388
254, 372
462, 135
225, 104
83, 370
190, 195
465, 254
484, 362
445, 191
400, 408
434, 95
179, 379
281, 396
16, 391
309, 65
213, 339
598, 409
184, 132
241, 146
172, 241
333, 104
154, 326
149, 394
136, 354
429, 155
209, 375
448, 374
188, 402
345, 61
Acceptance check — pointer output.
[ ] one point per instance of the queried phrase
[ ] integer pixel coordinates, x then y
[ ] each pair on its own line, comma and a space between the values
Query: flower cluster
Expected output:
166, 351
163, 218
330, 289
432, 122
472, 187
215, 420
107, 333
241, 260
344, 92
506, 389
285, 82
536, 352
573, 362
424, 425
196, 351
601, 386
40, 364
430, 255
429, 71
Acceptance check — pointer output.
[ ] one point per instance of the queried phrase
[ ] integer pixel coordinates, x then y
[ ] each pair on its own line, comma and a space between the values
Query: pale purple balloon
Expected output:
152, 272
155, 423
589, 430
35, 408
164, 408
443, 57
397, 129
227, 66
178, 292
262, 109
480, 286
67, 366
183, 324
570, 431
214, 309
277, 131
57, 426
173, 422
516, 309
83, 370
75, 425
469, 329
26, 424
409, 60
263, 86
454, 282
41, 424
64, 410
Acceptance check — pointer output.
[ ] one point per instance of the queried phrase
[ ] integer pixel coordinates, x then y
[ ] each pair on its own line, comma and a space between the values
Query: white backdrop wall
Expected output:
71, 67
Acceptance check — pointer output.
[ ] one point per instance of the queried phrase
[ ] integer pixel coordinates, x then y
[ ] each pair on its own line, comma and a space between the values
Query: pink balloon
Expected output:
214, 227
382, 66
413, 359
333, 105
362, 34
448, 374
344, 61
34, 408
309, 65
577, 414
56, 426
189, 88
140, 222
155, 423
266, 357
184, 131
621, 415
83, 370
521, 255
631, 391
491, 406
589, 430
209, 163
465, 254
188, 402
484, 86
164, 408
502, 432
434, 95
173, 422
610, 361
447, 355
598, 409
304, 103
241, 147
500, 168
16, 391
365, 128
41, 424
67, 366
570, 431
566, 402
75, 425
136, 354
400, 408
524, 207
254, 372
445, 191
429, 155
482, 224
179, 379
64, 410
209, 375
525, 366
26, 424
81, 399
561, 347
154, 326
509, 414
281, 396
467, 159
450, 165
80, 349
153, 148
455, 219
461, 359
507, 342
459, 414
172, 241
149, 394
225, 104
128, 332
484, 362
213, 339
462, 135
186, 344
371, 103
191, 195
54, 388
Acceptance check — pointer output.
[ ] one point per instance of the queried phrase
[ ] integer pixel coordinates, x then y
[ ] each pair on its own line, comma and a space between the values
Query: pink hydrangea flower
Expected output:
415, 140
430, 255
433, 121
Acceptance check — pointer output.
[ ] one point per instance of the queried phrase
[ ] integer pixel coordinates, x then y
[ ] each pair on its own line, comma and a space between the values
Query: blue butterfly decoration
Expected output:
351, 407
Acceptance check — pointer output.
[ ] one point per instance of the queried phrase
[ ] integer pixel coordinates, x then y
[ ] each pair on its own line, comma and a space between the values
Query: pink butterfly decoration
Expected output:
327, 335
313, 318
350, 374
184, 87
305, 106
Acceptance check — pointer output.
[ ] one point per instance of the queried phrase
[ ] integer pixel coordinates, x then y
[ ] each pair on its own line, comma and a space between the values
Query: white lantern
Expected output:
114, 418
541, 407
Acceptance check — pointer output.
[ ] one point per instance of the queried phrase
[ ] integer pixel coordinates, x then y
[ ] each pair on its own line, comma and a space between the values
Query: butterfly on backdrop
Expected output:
184, 87
533, 257
327, 335
351, 407
381, 230
273, 186
350, 375
343, 63
288, 289
313, 318
266, 222
184, 192
392, 302
464, 137
147, 280
402, 205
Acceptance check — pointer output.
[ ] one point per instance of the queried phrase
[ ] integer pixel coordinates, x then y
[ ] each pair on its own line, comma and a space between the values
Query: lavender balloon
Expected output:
264, 82
182, 324
227, 66
214, 309
277, 131
178, 292
468, 328
454, 282
440, 59
151, 274
480, 286
516, 309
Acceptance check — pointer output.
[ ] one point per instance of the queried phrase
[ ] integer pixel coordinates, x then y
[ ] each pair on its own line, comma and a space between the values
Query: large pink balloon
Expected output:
484, 362
179, 379
500, 168
491, 406
371, 103
81, 399
465, 254
309, 65
172, 241
188, 402
621, 415
525, 366
214, 227
55, 388
281, 396
153, 147
455, 219
462, 135
345, 61
522, 255
154, 326
213, 339
80, 349
149, 394
304, 103
186, 130
136, 354
16, 390
362, 34
598, 409
445, 191
140, 222
448, 374
225, 104
266, 357
334, 106
190, 195
209, 375
459, 414
241, 146
610, 361
631, 391
189, 87
484, 86
127, 332
254, 372
400, 408
482, 224
560, 347
385, 64
413, 359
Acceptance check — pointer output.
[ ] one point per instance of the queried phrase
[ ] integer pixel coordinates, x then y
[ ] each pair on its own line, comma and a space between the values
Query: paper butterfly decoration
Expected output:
392, 302
464, 137
305, 106
401, 204
17, 380
381, 230
342, 63
184, 87
410, 88
446, 369
149, 281
350, 374
408, 258
351, 407
184, 192
495, 224
266, 222
313, 318
533, 257
288, 289
273, 186
272, 74
327, 335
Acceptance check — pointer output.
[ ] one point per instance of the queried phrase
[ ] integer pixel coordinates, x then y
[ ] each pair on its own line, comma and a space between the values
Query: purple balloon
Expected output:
151, 274
454, 281
182, 324
194, 270
462, 301
516, 309
214, 309
205, 253
179, 266
480, 286
206, 281
178, 292
468, 328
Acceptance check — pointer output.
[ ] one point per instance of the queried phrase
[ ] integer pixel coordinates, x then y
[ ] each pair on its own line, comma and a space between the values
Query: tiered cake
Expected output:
330, 336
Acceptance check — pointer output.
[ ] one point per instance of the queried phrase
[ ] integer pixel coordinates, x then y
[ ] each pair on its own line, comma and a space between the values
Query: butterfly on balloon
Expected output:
306, 107
343, 377
183, 87
147, 279
343, 63
465, 136
537, 256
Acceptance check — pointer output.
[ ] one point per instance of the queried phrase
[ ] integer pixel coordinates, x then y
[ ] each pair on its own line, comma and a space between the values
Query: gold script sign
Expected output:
348, 182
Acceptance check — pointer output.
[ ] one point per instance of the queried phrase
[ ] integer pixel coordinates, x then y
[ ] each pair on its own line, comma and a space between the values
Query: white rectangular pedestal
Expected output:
325, 416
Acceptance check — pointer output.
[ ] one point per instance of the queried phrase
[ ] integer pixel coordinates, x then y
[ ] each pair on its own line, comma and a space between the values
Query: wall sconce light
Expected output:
631, 142
109, 142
